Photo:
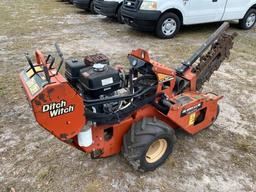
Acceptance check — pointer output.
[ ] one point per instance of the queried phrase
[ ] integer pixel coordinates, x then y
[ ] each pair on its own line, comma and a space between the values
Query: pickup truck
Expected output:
109, 8
165, 17
85, 4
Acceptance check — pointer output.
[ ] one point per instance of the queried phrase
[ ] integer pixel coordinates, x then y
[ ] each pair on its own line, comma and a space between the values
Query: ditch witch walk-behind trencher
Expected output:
104, 110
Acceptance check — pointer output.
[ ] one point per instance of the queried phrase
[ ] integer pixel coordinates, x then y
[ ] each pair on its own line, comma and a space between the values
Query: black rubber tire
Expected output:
92, 7
119, 15
160, 22
242, 22
138, 139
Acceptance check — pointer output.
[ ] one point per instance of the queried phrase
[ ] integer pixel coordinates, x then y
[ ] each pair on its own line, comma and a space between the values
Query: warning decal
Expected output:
192, 119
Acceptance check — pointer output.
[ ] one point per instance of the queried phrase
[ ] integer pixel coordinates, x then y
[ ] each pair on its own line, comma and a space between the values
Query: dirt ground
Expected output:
221, 158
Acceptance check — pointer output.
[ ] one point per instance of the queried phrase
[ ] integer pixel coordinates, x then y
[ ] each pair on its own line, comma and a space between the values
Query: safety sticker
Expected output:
30, 72
32, 86
164, 78
192, 119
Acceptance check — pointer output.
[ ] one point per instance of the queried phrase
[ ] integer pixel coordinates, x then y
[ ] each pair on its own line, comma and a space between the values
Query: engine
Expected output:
94, 78
99, 80
109, 92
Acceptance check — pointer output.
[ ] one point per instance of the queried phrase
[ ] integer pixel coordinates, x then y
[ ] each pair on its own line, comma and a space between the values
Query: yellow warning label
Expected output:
163, 77
192, 119
30, 73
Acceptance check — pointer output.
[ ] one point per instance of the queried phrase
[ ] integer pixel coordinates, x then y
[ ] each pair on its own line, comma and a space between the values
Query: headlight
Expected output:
148, 5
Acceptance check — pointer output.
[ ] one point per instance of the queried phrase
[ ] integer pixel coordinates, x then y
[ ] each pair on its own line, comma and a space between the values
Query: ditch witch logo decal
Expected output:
190, 110
57, 109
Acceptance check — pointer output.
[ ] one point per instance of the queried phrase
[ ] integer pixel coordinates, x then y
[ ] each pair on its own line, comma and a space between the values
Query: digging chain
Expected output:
212, 60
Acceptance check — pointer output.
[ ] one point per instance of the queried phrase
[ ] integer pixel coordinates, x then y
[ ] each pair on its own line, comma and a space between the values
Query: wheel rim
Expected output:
251, 20
156, 150
169, 26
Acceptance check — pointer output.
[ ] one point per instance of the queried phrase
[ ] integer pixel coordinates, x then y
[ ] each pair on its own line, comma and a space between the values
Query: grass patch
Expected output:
46, 174
243, 145
171, 163
243, 162
93, 186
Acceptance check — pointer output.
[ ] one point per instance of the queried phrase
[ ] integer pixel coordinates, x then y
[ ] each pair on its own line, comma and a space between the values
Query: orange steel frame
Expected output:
67, 126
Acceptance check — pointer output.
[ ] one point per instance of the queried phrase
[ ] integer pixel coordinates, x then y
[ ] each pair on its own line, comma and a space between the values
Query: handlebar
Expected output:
40, 61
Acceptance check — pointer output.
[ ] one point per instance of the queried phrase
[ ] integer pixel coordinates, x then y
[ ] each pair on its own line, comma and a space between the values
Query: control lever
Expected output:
30, 62
58, 50
52, 60
61, 57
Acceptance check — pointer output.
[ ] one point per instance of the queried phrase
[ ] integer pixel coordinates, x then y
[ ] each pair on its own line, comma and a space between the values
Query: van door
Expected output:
236, 9
203, 11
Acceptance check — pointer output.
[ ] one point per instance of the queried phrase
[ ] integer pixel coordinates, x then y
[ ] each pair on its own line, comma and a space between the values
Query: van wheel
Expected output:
249, 20
168, 26
119, 15
148, 144
92, 7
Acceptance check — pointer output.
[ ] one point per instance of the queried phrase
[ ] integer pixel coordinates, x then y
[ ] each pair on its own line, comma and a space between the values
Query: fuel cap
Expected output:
99, 67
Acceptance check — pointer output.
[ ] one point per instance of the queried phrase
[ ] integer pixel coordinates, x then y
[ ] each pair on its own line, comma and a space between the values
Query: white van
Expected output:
165, 17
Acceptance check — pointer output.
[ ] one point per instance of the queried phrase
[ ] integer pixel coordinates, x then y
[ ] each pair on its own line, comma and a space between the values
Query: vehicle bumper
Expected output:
107, 8
140, 19
82, 4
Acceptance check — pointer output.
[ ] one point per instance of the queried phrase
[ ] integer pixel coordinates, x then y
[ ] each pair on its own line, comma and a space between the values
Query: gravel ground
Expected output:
221, 158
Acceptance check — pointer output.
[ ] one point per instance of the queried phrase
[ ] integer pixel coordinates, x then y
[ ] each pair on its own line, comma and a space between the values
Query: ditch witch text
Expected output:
58, 108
